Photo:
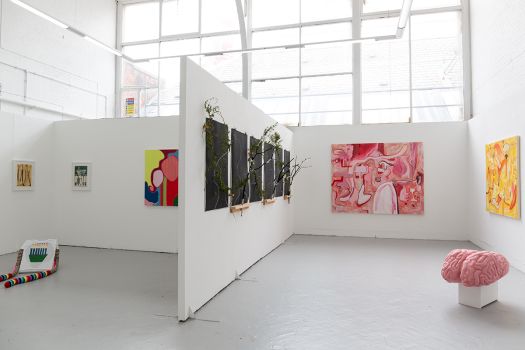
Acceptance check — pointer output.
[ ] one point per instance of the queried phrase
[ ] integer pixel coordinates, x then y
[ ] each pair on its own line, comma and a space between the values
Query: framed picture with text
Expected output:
81, 176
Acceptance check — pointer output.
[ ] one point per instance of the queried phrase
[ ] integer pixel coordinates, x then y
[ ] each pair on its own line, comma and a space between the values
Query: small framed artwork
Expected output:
81, 176
23, 175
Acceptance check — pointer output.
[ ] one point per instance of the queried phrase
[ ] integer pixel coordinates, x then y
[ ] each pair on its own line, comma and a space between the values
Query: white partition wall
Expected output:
498, 72
445, 159
25, 214
215, 246
112, 214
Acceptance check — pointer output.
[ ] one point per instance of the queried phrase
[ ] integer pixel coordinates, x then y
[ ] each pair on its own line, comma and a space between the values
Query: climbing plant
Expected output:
216, 151
270, 141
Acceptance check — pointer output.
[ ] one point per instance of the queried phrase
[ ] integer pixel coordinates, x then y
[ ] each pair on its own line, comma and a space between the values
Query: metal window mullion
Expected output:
357, 8
118, 64
200, 31
131, 2
176, 37
396, 13
467, 60
200, 17
161, 3
410, 76
244, 45
299, 123
320, 75
303, 24
249, 38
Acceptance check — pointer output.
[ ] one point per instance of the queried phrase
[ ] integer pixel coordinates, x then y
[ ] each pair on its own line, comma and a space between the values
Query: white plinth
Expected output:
477, 297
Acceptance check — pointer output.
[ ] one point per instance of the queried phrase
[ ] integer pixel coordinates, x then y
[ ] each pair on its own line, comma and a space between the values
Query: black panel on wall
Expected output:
239, 167
215, 198
287, 171
278, 172
269, 170
256, 179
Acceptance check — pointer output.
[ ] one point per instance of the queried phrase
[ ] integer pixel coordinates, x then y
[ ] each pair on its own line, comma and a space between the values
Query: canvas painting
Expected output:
378, 178
23, 175
81, 176
503, 177
38, 255
239, 168
161, 183
216, 171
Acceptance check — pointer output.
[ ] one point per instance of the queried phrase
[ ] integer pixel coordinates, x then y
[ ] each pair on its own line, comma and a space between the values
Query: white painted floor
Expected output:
311, 293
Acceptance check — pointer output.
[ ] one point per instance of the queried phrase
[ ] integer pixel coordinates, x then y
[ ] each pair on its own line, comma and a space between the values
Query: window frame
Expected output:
246, 32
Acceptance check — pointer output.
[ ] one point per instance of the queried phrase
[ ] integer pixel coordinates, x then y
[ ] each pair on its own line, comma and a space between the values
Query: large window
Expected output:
418, 78
305, 85
160, 29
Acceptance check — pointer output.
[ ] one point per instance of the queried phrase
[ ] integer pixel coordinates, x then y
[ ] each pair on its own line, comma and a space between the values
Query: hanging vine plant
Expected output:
289, 170
217, 148
270, 141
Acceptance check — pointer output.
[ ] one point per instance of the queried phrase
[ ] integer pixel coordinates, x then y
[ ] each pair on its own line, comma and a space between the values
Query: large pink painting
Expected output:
378, 178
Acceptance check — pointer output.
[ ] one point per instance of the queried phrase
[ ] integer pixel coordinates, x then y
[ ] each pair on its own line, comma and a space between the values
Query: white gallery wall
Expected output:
25, 215
50, 67
112, 214
216, 246
498, 71
445, 155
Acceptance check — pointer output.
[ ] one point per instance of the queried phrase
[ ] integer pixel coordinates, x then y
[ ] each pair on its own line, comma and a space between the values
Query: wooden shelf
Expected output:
269, 201
239, 207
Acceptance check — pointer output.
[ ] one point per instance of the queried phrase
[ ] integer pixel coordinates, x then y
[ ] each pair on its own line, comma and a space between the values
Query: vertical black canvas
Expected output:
279, 172
215, 198
287, 171
269, 171
239, 167
256, 179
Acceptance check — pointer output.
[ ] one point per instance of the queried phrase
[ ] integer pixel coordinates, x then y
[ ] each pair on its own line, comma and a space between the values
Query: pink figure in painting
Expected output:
378, 178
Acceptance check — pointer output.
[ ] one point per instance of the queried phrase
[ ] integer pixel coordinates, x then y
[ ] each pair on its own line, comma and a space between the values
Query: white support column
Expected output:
158, 55
356, 63
410, 73
118, 64
300, 92
467, 60
246, 66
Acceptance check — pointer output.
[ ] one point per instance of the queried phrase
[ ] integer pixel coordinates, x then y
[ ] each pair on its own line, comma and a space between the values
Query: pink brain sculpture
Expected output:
474, 268
451, 270
483, 269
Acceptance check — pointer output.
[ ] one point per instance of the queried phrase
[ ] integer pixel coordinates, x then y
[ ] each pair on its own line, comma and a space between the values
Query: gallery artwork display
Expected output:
269, 171
256, 177
23, 175
239, 167
287, 172
81, 176
378, 178
161, 183
38, 255
503, 177
217, 177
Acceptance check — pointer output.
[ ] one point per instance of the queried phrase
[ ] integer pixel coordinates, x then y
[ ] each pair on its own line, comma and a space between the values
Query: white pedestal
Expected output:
477, 297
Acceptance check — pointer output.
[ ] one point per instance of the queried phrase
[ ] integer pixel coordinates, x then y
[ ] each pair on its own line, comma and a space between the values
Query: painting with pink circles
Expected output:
161, 185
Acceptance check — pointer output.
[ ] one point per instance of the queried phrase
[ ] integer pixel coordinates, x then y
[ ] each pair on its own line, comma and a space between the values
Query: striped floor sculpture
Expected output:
12, 280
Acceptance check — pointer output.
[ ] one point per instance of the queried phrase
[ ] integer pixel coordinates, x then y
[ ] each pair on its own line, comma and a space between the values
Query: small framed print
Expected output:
23, 175
81, 176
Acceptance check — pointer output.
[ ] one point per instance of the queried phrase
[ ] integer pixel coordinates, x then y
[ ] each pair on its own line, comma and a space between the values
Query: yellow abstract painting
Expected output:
503, 177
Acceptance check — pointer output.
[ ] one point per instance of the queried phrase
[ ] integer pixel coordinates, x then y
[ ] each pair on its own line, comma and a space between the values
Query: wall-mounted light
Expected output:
40, 13
101, 45
65, 26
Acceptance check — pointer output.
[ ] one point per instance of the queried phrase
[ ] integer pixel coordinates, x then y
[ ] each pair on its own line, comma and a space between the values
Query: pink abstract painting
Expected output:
378, 178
